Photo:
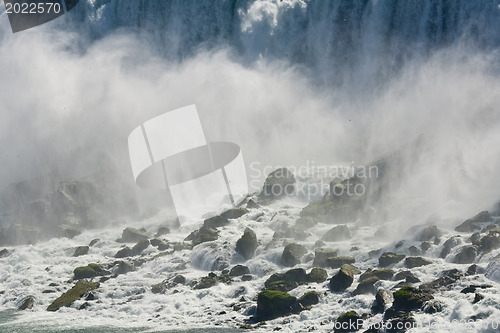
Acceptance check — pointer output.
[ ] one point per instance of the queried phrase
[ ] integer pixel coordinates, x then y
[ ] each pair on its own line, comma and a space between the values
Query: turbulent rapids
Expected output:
369, 131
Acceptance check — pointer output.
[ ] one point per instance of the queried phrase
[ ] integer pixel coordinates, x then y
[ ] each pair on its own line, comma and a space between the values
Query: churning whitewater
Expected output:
369, 131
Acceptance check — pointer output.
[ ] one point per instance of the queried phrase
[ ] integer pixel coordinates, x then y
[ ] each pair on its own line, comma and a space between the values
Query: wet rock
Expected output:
351, 269
202, 235
337, 262
412, 262
288, 280
252, 204
306, 222
80, 251
318, 275
433, 306
309, 298
348, 322
477, 298
466, 255
425, 246
409, 298
278, 184
292, 254
246, 277
414, 251
79, 289
381, 274
162, 231
159, 243
389, 258
489, 242
383, 300
429, 233
124, 252
445, 280
321, 256
206, 282
132, 235
234, 213
89, 271
69, 231
27, 303
366, 286
319, 243
123, 268
139, 247
341, 281
216, 222
239, 270
247, 244
449, 245
337, 233
473, 287
273, 304
408, 276
473, 224
475, 238
4, 253
94, 242
399, 320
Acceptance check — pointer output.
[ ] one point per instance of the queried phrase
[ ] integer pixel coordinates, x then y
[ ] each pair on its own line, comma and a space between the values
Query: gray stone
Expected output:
292, 254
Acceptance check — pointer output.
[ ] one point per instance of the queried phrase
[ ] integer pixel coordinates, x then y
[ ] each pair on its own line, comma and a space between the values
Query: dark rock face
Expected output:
132, 235
337, 262
449, 245
247, 244
389, 258
348, 322
466, 255
273, 304
409, 298
412, 262
447, 278
278, 184
429, 233
80, 251
288, 280
81, 288
489, 242
124, 252
321, 256
341, 281
473, 223
383, 299
216, 222
4, 253
351, 269
90, 271
239, 270
366, 286
408, 276
381, 274
309, 298
337, 233
318, 275
292, 254
202, 235
139, 247
234, 213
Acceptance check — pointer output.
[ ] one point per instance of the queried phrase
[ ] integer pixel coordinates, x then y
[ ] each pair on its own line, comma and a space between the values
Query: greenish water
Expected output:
7, 326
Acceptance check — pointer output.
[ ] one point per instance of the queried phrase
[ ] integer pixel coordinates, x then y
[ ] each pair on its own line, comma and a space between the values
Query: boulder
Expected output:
429, 233
337, 262
94, 242
466, 255
473, 223
414, 251
412, 262
273, 304
341, 281
318, 275
202, 235
449, 245
27, 303
351, 268
389, 258
408, 276
124, 252
239, 270
321, 256
69, 230
4, 253
206, 282
409, 298
399, 320
366, 286
348, 322
288, 280
133, 235
247, 244
306, 222
251, 204
234, 213
446, 279
278, 184
337, 233
292, 254
79, 289
80, 251
216, 222
139, 247
383, 300
489, 242
89, 271
381, 274
162, 231
123, 268
308, 299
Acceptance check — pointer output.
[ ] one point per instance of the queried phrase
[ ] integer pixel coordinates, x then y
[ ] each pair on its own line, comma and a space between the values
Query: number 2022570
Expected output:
33, 8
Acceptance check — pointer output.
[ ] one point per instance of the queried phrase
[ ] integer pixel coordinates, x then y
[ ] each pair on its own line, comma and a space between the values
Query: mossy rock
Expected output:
337, 262
273, 304
318, 275
381, 274
341, 281
89, 271
389, 258
206, 282
351, 269
202, 235
321, 256
278, 184
409, 298
413, 262
348, 321
282, 285
309, 298
79, 289
288, 280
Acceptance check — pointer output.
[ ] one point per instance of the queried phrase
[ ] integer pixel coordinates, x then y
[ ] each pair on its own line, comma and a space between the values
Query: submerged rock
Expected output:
292, 254
447, 278
247, 244
337, 233
27, 303
389, 258
79, 289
